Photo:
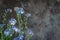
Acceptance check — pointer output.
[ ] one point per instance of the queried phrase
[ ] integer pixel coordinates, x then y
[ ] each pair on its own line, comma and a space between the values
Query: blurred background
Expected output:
44, 20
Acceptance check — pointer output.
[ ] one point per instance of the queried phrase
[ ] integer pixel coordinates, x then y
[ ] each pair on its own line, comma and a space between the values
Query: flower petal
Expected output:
12, 21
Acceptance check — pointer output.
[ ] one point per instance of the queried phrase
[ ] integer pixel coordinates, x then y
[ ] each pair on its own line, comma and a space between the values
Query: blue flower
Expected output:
2, 25
20, 37
6, 32
12, 21
19, 10
15, 29
27, 14
30, 32
8, 10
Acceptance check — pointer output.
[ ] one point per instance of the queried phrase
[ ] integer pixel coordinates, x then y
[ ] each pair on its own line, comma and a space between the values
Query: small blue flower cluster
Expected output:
8, 10
15, 29
29, 31
12, 21
11, 30
6, 32
11, 25
21, 11
27, 14
20, 37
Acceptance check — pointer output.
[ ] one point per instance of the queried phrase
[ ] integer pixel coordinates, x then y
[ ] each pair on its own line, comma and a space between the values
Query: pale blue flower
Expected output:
19, 10
27, 14
30, 32
15, 29
8, 10
11, 31
6, 32
16, 8
12, 21
20, 37
2, 25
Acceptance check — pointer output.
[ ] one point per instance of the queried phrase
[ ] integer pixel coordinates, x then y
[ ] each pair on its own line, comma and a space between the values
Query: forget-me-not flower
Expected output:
27, 14
29, 31
6, 32
12, 21
15, 29
20, 37
19, 10
8, 10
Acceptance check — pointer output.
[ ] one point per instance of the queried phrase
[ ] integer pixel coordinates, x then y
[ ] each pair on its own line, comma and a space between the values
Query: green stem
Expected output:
20, 21
29, 36
2, 36
8, 38
26, 23
4, 17
8, 26
20, 18
19, 25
